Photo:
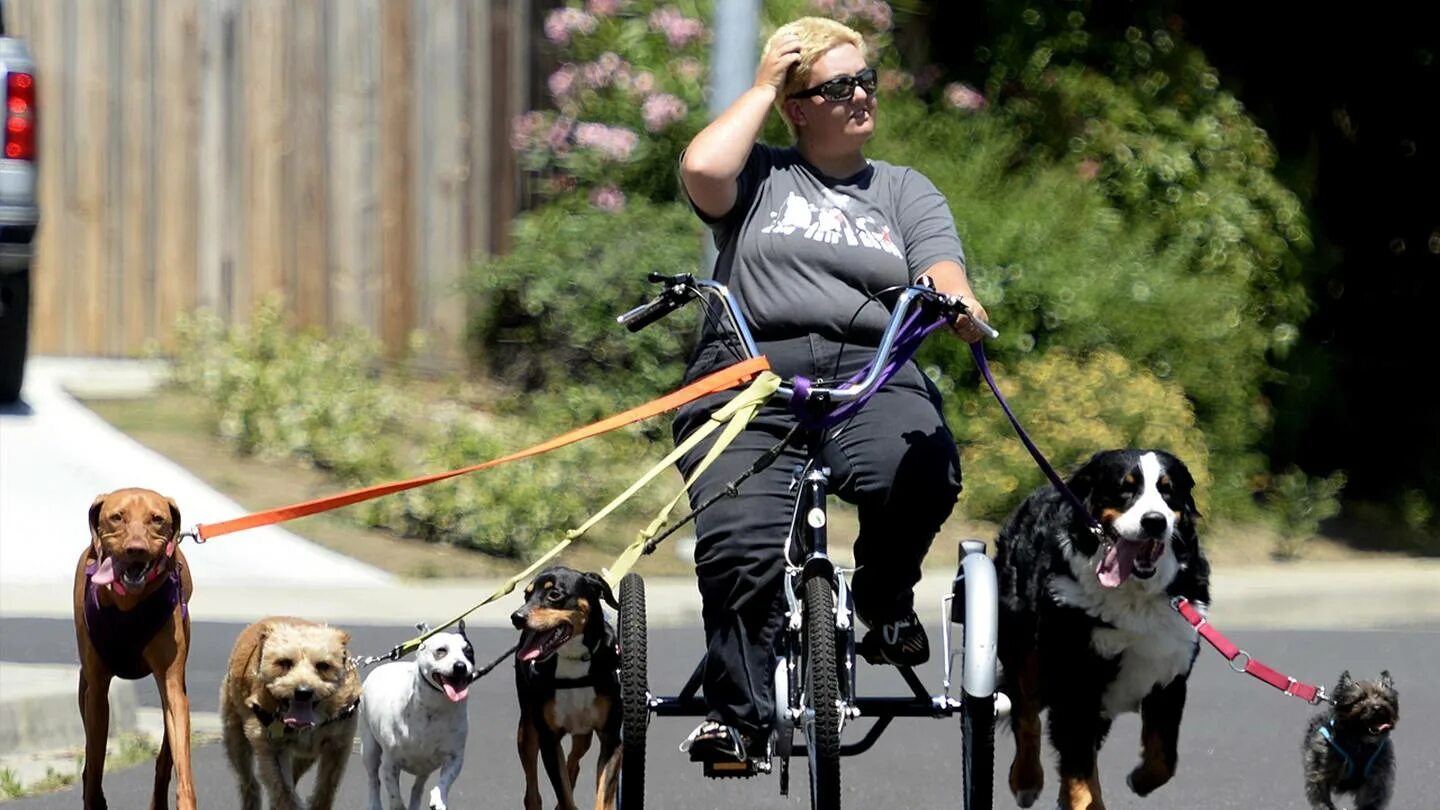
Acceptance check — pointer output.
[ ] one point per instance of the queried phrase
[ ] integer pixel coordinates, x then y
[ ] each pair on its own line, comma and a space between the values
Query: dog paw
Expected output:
1143, 781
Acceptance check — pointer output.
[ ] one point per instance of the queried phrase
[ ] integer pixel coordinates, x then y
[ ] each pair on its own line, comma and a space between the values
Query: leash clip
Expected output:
1241, 669
194, 534
1320, 696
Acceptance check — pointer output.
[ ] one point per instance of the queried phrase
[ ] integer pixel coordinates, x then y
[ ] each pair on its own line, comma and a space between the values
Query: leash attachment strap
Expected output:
1242, 662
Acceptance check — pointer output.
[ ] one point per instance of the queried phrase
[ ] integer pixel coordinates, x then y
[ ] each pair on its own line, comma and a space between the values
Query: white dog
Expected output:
412, 719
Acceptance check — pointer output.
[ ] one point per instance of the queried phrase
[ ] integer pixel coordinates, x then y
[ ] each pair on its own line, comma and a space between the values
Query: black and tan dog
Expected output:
566, 677
1086, 626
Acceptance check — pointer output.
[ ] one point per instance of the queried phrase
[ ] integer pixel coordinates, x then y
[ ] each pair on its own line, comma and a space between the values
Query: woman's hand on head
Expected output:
775, 65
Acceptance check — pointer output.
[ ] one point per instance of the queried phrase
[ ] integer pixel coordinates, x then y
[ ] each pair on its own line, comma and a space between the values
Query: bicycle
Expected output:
815, 674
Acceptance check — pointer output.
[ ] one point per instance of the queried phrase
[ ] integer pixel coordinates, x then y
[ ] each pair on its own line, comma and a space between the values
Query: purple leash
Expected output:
912, 334
978, 352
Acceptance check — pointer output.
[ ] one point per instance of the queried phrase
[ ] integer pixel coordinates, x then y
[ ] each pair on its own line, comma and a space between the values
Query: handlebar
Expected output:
681, 289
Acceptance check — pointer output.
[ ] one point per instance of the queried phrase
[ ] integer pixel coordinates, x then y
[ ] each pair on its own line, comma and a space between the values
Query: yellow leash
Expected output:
735, 415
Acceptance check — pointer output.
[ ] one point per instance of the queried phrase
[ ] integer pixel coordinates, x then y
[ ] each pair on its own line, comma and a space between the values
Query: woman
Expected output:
805, 235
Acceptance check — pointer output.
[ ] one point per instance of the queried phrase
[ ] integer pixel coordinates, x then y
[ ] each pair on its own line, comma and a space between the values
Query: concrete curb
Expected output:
37, 708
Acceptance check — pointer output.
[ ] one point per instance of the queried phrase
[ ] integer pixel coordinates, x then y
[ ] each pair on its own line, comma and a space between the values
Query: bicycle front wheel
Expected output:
634, 692
977, 724
822, 694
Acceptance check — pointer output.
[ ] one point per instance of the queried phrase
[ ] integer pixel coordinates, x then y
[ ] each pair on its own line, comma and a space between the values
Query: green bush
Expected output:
1071, 407
277, 393
545, 312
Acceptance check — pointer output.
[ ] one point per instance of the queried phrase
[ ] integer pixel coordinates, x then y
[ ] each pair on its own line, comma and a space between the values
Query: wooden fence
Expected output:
349, 155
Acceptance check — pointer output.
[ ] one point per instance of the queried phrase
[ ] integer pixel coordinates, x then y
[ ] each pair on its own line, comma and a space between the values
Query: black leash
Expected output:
730, 490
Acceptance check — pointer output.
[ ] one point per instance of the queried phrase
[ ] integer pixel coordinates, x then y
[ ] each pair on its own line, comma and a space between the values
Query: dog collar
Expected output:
276, 729
1327, 733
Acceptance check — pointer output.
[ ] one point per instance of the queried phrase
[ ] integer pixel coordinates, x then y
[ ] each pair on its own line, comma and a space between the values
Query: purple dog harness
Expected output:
120, 636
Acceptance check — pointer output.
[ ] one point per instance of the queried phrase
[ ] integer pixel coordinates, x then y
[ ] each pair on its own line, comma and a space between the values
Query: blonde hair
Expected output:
817, 36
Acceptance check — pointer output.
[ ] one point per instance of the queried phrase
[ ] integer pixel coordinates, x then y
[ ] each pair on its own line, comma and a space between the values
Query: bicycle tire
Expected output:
634, 692
977, 724
822, 681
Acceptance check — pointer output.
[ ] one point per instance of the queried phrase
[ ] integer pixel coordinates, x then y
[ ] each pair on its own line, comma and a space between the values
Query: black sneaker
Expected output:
901, 643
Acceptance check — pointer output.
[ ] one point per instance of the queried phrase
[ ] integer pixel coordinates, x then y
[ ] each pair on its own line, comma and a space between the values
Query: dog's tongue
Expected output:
301, 714
455, 696
105, 574
1118, 563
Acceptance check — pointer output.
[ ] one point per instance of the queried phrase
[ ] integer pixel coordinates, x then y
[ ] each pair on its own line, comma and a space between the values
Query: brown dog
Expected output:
131, 620
288, 702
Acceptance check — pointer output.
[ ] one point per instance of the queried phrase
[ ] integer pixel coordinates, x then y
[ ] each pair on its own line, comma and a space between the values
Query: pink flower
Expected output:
593, 75
823, 6
892, 80
602, 8
687, 69
524, 128
562, 183
616, 143
644, 82
558, 138
661, 110
608, 198
963, 97
561, 82
1088, 169
678, 29
561, 23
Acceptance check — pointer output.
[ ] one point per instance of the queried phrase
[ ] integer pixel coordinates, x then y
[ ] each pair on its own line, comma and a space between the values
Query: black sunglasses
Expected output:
842, 88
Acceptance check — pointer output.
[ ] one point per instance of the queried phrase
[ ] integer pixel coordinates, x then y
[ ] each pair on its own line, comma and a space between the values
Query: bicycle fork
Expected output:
811, 526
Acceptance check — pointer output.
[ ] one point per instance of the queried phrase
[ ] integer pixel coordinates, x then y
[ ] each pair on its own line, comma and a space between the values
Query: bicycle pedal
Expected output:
731, 769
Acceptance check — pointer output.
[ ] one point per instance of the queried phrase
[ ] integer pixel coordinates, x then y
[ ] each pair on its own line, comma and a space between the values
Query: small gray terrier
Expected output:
1348, 750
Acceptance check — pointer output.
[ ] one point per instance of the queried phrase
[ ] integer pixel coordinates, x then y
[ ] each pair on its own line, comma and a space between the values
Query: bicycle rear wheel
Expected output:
634, 692
822, 692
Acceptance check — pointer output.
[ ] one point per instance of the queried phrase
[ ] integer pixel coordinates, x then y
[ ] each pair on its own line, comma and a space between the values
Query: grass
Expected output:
125, 751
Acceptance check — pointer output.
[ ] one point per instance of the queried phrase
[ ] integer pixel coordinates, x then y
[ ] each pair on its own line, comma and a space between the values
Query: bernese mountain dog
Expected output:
1086, 625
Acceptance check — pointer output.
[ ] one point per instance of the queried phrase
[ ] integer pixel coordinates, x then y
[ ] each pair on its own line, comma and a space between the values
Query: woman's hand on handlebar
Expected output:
966, 327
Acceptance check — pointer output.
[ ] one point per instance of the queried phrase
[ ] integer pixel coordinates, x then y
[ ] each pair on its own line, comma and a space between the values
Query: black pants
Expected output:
895, 460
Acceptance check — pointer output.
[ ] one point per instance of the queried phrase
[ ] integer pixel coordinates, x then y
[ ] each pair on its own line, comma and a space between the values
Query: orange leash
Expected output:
719, 381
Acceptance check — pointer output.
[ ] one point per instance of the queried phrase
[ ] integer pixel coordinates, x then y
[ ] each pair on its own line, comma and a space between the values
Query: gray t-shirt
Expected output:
801, 251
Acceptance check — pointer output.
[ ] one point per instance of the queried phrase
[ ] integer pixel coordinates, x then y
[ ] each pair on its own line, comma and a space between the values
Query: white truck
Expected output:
19, 213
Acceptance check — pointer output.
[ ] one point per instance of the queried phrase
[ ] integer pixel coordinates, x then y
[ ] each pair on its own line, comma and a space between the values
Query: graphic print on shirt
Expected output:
829, 223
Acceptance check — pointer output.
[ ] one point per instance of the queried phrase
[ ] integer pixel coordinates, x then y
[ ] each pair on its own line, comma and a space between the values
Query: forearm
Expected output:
718, 153
950, 278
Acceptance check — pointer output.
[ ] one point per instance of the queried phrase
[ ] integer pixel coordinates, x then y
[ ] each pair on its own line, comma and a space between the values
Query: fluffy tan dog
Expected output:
288, 702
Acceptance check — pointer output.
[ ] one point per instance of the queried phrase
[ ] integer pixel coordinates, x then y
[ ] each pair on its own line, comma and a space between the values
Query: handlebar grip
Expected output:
989, 330
646, 314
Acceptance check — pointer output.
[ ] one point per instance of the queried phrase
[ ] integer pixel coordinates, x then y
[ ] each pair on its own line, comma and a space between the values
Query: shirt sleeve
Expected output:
926, 225
757, 166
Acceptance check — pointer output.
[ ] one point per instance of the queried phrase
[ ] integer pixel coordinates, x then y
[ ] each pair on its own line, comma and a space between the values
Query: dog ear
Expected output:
174, 518
1345, 684
422, 627
461, 626
605, 592
95, 524
1386, 682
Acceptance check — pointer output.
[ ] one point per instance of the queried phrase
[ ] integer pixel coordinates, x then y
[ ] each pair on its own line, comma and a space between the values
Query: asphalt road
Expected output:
1239, 745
